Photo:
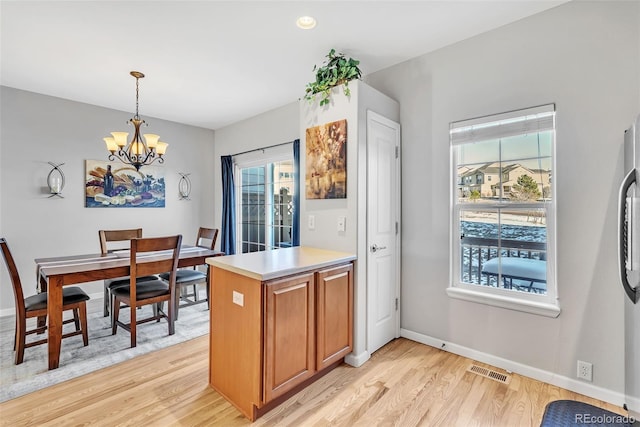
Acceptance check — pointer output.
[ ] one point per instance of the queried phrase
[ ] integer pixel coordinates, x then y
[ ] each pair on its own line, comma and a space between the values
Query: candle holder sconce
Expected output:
55, 180
184, 186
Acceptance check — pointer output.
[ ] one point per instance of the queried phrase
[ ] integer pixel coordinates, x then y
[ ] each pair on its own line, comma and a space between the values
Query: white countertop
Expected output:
268, 265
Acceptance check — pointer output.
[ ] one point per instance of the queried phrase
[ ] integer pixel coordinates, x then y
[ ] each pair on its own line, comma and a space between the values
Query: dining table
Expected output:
55, 273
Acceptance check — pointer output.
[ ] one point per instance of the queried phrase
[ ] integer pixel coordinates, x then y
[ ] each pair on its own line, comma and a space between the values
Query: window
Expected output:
503, 231
265, 216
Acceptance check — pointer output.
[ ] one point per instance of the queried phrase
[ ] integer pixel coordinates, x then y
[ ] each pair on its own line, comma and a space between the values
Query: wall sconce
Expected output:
55, 180
184, 186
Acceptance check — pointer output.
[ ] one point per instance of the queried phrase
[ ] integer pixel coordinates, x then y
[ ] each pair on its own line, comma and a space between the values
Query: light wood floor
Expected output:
403, 384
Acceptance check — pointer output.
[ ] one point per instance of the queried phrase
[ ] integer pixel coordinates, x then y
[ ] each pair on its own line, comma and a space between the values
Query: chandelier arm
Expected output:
119, 155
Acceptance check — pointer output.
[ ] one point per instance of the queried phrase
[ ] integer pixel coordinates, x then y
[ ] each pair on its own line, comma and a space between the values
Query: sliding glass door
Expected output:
265, 214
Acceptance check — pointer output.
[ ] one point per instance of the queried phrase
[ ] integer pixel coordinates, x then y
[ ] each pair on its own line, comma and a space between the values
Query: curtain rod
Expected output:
262, 148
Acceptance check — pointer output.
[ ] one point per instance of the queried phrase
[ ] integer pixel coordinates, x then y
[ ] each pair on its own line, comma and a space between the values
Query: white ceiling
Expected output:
212, 63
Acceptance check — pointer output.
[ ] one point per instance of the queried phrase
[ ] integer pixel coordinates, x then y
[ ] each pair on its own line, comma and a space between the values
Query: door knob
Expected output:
375, 248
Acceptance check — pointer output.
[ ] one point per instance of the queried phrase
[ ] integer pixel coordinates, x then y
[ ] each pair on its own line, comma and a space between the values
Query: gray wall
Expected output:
36, 129
584, 56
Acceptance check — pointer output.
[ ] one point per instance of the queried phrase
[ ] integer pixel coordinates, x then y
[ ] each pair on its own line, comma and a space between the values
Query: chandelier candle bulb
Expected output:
111, 144
161, 148
151, 140
120, 138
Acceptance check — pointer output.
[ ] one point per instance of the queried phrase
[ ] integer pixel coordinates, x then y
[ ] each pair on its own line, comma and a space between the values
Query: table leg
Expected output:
54, 311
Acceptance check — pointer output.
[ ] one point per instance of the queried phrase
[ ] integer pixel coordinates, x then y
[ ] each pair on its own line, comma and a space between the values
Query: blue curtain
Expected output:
228, 245
296, 194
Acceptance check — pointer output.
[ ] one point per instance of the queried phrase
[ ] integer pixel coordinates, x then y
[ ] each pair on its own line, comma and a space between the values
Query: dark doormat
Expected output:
561, 413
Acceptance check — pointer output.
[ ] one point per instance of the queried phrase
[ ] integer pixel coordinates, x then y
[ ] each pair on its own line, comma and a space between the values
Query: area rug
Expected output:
103, 350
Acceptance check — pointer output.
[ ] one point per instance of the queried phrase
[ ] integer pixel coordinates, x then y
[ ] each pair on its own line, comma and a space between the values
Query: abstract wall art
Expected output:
326, 161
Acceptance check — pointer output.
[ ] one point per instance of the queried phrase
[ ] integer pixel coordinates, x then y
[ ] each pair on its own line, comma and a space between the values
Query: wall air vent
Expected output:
488, 373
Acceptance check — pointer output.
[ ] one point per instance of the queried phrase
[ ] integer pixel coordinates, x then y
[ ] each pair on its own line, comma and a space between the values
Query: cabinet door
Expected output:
289, 336
335, 314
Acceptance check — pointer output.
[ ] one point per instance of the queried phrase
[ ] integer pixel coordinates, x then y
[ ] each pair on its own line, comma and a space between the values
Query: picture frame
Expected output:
115, 185
326, 161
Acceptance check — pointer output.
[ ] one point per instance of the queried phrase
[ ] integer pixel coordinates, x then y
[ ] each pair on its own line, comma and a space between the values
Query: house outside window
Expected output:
503, 233
265, 188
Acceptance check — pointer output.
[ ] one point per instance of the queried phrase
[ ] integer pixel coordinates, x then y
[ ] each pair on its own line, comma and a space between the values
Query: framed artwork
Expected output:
115, 185
326, 161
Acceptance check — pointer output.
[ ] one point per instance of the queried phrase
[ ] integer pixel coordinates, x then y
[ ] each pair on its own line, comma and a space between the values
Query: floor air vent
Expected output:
488, 373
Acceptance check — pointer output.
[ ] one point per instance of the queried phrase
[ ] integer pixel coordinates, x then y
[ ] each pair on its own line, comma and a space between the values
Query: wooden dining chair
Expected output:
151, 292
107, 238
73, 298
192, 277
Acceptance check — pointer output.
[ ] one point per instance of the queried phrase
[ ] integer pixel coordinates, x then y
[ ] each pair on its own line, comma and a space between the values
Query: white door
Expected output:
383, 233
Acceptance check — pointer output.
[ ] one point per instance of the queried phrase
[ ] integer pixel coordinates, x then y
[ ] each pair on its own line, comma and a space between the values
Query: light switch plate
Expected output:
342, 223
312, 222
238, 298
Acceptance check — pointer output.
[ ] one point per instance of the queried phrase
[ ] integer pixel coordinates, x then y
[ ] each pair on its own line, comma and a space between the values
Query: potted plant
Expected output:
336, 70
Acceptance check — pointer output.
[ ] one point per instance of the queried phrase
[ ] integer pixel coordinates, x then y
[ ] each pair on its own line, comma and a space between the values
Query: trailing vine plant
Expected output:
336, 70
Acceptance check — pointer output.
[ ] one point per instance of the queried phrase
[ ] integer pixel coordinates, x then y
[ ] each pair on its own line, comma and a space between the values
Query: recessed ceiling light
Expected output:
306, 22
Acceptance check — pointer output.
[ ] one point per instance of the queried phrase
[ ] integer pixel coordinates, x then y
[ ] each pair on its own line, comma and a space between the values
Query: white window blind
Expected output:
518, 122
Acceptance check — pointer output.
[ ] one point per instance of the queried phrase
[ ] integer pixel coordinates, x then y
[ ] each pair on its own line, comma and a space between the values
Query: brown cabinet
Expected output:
289, 339
334, 306
271, 337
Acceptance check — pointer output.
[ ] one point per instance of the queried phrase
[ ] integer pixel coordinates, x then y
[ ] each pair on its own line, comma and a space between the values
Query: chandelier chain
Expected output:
137, 117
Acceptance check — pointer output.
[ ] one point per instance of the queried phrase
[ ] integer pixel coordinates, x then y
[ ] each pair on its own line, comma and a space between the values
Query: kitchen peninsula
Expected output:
280, 319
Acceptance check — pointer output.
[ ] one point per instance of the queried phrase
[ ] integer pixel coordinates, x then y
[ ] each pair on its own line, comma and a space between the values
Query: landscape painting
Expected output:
326, 161
116, 185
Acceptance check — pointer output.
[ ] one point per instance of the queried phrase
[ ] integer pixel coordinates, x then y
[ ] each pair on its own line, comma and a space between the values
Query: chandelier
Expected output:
138, 152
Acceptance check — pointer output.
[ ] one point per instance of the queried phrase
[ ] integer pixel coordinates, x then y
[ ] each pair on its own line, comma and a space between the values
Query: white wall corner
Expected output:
600, 393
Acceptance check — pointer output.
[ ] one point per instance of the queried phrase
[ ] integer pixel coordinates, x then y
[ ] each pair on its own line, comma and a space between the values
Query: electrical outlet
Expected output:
585, 371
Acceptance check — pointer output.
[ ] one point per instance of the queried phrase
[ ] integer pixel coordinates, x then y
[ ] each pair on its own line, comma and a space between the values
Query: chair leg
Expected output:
112, 299
42, 322
107, 301
195, 293
115, 315
208, 299
21, 336
171, 317
76, 319
133, 325
176, 302
157, 308
83, 323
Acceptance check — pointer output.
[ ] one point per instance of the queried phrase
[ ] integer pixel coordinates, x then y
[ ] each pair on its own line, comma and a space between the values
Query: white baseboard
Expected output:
357, 360
11, 311
586, 389
633, 407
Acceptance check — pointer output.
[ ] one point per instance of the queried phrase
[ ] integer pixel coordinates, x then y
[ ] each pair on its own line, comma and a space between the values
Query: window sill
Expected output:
533, 307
